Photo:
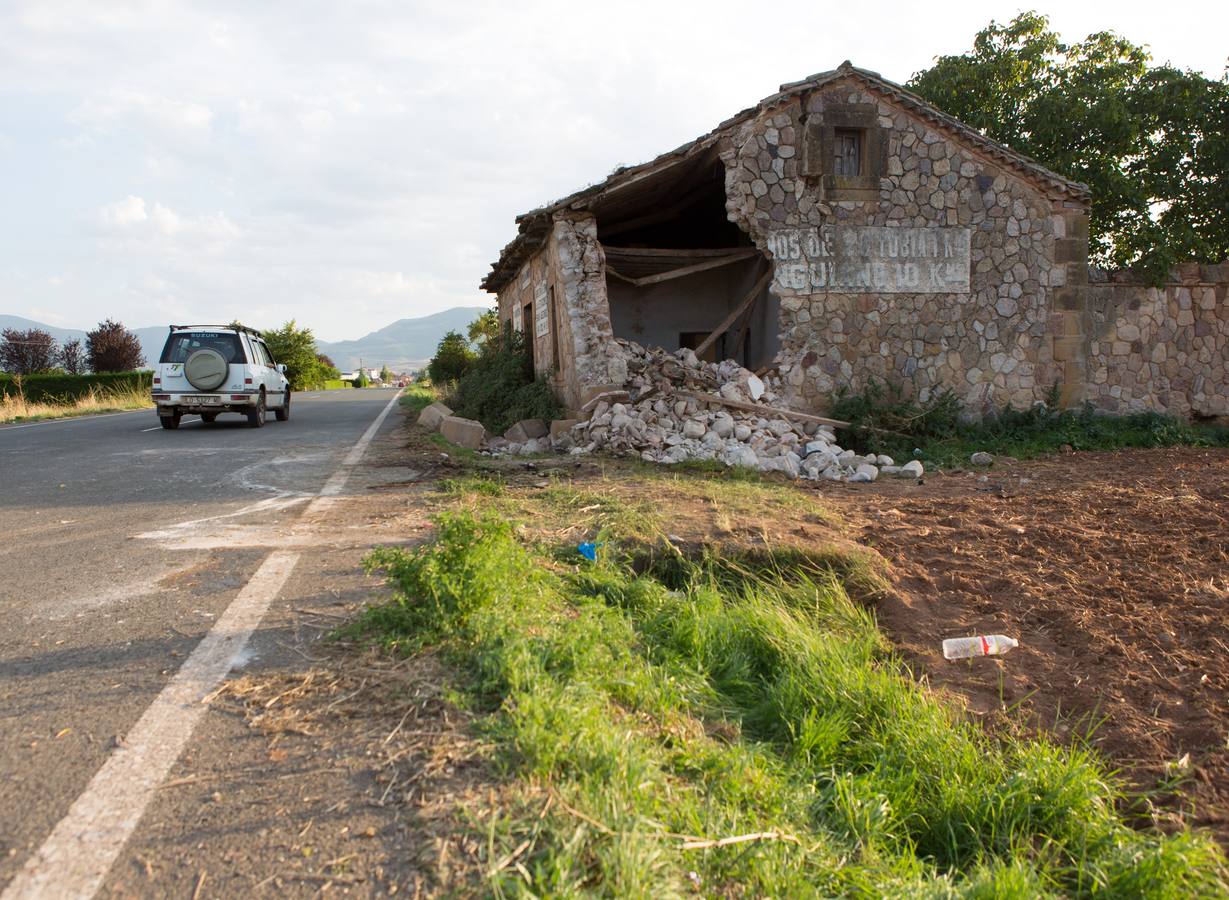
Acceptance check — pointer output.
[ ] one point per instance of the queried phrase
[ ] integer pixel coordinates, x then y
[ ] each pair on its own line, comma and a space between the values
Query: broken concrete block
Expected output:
431, 417
463, 432
560, 427
526, 430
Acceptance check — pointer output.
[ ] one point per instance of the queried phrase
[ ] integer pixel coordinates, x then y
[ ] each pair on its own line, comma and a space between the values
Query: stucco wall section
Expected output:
993, 345
655, 315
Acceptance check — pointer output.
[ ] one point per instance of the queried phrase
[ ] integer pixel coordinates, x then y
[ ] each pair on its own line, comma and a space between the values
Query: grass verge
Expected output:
15, 407
417, 397
738, 726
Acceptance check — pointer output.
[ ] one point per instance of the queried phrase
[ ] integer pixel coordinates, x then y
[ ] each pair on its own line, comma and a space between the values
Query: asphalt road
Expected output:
120, 545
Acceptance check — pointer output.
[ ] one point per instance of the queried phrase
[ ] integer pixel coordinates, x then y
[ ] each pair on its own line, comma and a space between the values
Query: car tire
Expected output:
283, 411
170, 422
256, 415
209, 418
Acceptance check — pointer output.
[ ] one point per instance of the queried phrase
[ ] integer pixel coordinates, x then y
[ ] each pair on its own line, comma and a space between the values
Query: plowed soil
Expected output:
1112, 570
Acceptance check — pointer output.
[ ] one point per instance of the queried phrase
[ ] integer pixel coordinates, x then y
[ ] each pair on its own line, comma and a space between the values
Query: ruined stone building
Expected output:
843, 229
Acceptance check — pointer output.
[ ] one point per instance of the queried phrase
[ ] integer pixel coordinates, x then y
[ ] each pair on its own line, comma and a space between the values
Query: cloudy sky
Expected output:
350, 164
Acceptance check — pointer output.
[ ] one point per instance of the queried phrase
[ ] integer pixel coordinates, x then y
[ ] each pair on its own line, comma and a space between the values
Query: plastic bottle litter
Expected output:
981, 645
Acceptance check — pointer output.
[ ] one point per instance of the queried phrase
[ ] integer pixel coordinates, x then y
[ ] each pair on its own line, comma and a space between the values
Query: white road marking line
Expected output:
337, 481
75, 858
155, 428
68, 419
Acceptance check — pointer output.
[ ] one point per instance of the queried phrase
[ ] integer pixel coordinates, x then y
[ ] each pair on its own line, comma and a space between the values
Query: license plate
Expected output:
202, 401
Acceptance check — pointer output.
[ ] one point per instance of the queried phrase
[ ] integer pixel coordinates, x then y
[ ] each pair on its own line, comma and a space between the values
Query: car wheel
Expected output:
170, 422
208, 418
283, 412
256, 415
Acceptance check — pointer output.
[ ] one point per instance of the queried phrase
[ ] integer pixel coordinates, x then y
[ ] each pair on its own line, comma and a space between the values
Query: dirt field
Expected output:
1112, 569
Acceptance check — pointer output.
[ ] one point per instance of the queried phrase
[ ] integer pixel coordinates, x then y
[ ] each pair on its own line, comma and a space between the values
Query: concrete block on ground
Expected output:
526, 430
463, 432
431, 417
560, 427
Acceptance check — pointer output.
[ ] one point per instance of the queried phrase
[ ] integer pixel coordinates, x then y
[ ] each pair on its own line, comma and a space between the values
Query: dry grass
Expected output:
392, 719
15, 407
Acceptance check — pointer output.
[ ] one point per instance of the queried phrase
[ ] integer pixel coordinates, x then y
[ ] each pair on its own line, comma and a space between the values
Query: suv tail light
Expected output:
247, 381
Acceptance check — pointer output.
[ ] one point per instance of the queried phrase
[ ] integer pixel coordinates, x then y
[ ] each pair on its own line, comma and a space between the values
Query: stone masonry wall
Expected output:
993, 345
1164, 349
570, 271
1000, 306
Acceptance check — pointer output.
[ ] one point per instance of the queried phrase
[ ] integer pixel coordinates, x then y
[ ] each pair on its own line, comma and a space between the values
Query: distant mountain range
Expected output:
405, 344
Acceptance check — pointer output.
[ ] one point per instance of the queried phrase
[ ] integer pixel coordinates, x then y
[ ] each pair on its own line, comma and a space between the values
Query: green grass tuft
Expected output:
710, 698
886, 422
417, 397
488, 485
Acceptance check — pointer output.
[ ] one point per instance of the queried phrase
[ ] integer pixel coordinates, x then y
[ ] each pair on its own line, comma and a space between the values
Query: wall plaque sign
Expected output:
541, 310
872, 259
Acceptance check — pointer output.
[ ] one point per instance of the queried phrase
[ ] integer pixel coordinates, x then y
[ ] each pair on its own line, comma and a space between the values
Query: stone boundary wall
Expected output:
1163, 349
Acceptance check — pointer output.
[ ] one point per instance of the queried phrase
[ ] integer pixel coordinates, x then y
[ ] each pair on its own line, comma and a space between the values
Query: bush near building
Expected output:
500, 387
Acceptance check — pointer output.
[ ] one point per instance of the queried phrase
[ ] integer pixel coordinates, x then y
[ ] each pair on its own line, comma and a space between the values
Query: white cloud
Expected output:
124, 213
133, 215
386, 283
164, 113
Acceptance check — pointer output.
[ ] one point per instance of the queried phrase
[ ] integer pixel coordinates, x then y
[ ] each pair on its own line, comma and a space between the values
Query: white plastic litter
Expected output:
981, 645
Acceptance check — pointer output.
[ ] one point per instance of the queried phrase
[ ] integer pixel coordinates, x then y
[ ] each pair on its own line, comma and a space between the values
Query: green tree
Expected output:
295, 348
453, 358
484, 330
1152, 143
327, 370
385, 375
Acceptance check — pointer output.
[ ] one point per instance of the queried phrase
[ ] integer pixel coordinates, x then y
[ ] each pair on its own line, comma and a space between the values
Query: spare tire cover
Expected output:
205, 369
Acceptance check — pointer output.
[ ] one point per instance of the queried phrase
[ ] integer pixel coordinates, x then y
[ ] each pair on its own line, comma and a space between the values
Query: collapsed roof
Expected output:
627, 187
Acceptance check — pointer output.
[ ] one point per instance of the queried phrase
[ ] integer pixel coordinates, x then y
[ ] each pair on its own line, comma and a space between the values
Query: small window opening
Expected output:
847, 153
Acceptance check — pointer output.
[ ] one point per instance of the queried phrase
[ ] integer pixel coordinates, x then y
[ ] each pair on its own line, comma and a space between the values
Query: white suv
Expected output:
206, 369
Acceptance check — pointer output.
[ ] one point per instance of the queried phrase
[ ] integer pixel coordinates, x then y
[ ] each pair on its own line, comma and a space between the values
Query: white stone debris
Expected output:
662, 421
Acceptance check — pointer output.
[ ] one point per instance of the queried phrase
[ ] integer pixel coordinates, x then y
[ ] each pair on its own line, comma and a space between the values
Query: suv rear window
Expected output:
181, 344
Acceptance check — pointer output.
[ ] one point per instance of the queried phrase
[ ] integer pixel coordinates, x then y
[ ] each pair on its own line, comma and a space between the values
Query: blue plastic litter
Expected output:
588, 550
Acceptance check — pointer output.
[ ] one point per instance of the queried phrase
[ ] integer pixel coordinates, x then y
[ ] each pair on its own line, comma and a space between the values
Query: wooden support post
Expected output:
615, 273
742, 333
738, 311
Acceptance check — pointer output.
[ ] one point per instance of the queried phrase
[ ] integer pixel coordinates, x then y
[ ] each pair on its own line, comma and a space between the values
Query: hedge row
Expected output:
66, 388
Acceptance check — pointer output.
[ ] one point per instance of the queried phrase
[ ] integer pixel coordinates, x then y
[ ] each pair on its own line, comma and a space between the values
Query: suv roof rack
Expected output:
252, 331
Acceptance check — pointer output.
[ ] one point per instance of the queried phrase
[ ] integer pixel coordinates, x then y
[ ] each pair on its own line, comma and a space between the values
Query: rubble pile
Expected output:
662, 416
